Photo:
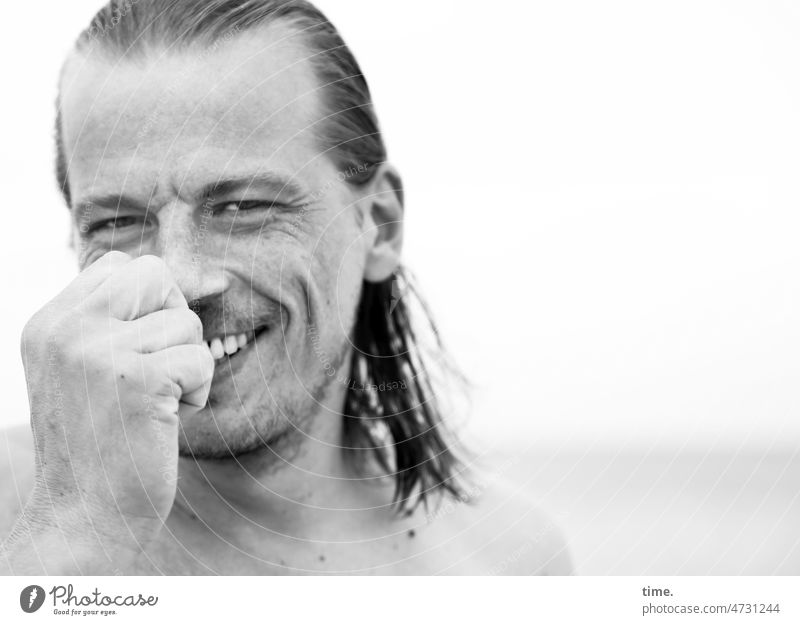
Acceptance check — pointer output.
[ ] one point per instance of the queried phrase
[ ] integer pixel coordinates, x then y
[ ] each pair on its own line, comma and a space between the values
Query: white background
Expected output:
602, 206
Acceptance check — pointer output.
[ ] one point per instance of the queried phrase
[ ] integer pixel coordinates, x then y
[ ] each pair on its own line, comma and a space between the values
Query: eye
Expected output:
114, 223
230, 208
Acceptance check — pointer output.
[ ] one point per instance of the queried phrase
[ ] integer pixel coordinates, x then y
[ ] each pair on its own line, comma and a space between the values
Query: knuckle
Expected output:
112, 260
47, 327
40, 322
31, 331
115, 256
153, 271
160, 380
194, 323
151, 264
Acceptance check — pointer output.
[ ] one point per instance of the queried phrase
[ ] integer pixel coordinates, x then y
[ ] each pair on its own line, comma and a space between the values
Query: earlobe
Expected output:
384, 204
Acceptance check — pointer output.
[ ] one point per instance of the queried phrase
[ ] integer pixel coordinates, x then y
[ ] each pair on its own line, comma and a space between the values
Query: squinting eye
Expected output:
235, 207
113, 224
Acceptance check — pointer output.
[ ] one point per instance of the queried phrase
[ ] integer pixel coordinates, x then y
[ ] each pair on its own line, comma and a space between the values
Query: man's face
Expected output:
210, 160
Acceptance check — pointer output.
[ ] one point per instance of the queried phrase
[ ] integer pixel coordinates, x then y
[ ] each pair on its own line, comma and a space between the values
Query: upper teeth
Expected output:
220, 346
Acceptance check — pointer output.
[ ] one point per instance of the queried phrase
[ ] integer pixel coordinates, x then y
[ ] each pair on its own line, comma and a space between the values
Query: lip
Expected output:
231, 331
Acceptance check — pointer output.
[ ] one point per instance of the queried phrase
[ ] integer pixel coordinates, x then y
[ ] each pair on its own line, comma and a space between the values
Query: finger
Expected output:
91, 278
191, 367
165, 328
141, 287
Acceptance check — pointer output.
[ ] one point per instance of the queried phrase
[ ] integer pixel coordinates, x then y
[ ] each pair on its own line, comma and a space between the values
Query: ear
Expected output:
383, 209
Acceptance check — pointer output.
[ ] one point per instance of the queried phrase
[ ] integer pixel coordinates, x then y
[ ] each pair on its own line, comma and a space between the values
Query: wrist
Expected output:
64, 541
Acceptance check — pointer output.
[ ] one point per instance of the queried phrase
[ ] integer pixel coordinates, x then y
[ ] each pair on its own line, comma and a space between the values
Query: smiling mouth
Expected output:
231, 344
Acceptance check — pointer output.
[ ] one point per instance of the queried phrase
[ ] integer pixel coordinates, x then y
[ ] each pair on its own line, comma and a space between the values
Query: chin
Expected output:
226, 428
245, 417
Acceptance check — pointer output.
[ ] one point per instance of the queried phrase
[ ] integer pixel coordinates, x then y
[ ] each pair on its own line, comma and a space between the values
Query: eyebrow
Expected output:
110, 200
278, 183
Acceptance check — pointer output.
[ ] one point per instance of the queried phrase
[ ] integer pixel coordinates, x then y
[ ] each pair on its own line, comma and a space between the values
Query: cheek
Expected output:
329, 261
348, 285
338, 272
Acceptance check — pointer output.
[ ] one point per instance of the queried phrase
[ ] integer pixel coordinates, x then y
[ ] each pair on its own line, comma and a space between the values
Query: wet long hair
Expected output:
393, 413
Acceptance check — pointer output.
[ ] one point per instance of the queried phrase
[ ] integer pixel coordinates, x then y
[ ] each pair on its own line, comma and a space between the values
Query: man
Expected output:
237, 382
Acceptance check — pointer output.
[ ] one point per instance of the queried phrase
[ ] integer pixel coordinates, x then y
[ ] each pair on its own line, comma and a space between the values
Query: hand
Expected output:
111, 363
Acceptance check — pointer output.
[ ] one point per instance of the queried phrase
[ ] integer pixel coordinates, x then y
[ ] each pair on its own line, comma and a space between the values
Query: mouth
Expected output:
229, 345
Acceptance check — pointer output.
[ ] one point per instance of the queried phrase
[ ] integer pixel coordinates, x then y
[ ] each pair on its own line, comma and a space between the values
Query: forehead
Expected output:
176, 117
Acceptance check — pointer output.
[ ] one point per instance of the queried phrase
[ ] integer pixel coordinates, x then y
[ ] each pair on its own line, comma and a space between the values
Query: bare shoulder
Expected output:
530, 540
507, 532
16, 474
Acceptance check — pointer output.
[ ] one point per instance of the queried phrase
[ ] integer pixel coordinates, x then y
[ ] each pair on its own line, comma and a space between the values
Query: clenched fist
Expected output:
111, 364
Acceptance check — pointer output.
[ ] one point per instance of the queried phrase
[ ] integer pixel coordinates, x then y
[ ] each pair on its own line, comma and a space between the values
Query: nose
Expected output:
186, 246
